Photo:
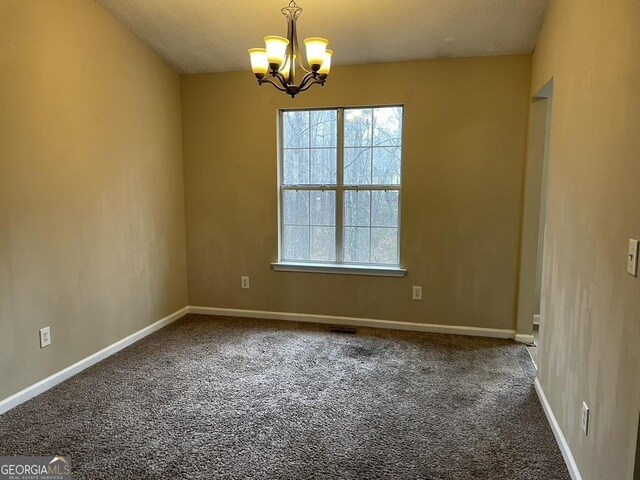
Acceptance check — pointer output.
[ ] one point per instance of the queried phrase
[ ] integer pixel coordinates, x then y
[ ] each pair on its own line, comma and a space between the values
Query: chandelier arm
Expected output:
308, 80
292, 12
291, 47
281, 79
310, 84
268, 80
305, 80
301, 58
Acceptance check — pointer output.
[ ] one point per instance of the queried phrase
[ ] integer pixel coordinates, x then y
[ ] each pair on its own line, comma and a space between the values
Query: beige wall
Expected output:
590, 306
465, 131
92, 238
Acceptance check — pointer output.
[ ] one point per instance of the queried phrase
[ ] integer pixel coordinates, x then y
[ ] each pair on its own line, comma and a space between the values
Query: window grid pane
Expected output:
323, 244
386, 166
323, 128
387, 126
296, 166
296, 242
324, 166
370, 160
357, 166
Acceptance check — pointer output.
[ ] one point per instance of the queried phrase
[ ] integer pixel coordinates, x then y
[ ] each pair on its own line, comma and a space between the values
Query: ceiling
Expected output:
197, 36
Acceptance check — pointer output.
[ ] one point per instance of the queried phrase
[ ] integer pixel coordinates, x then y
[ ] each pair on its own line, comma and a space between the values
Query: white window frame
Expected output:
338, 266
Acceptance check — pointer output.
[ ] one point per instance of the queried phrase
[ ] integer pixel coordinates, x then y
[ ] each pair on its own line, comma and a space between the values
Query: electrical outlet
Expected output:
244, 282
585, 418
632, 258
416, 292
45, 337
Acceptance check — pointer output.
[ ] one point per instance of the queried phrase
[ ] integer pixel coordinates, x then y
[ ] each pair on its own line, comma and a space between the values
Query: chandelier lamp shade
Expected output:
282, 61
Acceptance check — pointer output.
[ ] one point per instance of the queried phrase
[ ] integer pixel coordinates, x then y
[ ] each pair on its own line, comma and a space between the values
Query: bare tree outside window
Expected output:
340, 185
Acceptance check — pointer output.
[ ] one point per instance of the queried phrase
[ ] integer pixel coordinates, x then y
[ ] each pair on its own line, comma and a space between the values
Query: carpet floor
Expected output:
233, 398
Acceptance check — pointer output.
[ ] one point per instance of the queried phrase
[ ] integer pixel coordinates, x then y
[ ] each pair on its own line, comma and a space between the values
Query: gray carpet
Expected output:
249, 399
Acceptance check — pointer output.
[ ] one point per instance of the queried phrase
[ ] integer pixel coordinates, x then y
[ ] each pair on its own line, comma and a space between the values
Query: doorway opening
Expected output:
530, 313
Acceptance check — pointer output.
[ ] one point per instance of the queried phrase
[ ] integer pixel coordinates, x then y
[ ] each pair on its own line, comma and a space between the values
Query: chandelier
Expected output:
277, 63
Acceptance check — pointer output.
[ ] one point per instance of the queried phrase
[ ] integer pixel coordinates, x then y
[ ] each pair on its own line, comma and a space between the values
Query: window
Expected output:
340, 182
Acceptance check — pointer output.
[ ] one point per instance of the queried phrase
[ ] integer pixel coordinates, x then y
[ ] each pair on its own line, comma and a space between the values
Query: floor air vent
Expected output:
343, 330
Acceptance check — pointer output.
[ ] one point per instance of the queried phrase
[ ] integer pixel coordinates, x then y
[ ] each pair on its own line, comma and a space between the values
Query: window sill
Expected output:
339, 269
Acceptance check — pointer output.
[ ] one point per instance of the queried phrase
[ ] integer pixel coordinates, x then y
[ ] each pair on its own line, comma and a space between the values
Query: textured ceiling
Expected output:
197, 36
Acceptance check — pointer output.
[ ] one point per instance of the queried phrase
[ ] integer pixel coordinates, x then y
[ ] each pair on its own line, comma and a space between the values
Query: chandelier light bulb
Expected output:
259, 62
276, 50
316, 48
286, 67
326, 63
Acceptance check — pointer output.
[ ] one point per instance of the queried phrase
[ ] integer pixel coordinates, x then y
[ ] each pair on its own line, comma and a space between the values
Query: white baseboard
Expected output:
522, 338
555, 427
56, 378
359, 322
